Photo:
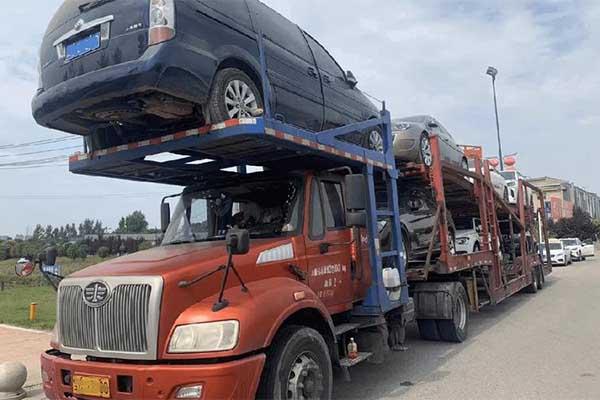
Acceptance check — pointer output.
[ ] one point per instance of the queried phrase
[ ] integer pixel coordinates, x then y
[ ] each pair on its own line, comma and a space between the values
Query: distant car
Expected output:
412, 144
589, 248
120, 71
559, 254
575, 246
468, 235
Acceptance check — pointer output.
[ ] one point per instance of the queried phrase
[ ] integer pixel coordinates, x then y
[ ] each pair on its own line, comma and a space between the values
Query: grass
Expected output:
19, 293
14, 307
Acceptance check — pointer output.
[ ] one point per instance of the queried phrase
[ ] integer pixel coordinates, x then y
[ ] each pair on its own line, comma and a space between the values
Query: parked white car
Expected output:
575, 246
468, 235
589, 249
559, 254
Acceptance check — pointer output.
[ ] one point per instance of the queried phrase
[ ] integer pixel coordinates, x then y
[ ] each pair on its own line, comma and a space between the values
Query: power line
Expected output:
40, 161
34, 166
38, 143
71, 196
40, 152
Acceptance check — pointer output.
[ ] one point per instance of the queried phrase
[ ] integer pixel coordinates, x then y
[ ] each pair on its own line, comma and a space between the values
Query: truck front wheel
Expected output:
298, 367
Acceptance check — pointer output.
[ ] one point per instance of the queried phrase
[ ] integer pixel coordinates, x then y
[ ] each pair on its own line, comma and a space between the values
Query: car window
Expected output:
232, 10
317, 224
281, 31
333, 205
324, 60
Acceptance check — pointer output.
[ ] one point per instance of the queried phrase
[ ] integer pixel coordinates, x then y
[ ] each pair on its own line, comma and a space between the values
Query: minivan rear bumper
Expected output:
159, 69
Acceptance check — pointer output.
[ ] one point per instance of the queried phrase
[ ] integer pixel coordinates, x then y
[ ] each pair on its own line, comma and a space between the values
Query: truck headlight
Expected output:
205, 337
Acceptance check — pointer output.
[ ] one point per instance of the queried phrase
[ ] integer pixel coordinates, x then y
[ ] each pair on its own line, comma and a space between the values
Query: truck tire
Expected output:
428, 330
298, 367
456, 329
234, 95
533, 287
541, 278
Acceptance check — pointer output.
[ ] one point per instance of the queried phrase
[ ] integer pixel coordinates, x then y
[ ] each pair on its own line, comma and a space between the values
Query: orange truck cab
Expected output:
182, 322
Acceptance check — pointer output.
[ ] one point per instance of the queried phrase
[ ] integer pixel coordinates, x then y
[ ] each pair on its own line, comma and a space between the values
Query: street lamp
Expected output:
491, 71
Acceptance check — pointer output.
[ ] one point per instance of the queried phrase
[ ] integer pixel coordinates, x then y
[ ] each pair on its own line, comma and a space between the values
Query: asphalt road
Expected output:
542, 346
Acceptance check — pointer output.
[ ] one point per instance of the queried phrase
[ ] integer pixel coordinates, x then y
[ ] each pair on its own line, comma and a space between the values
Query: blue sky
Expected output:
422, 57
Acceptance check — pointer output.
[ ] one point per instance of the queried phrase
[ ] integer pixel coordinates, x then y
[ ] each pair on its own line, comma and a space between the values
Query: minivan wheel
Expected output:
234, 95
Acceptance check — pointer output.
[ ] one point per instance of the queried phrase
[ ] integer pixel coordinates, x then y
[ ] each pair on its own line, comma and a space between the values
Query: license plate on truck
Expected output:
94, 386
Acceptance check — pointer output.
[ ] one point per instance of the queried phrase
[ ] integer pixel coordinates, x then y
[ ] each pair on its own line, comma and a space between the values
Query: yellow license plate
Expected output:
94, 386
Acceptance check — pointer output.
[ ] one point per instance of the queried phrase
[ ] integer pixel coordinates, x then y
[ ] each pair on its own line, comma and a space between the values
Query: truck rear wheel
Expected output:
533, 287
298, 367
456, 329
428, 330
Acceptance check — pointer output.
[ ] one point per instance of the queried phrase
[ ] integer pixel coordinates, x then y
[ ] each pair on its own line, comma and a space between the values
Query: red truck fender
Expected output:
267, 306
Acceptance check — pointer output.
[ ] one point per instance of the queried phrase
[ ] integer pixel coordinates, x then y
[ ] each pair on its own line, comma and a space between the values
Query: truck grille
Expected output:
127, 324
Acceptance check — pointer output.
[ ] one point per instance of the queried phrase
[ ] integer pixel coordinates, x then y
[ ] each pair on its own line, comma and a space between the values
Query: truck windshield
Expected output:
266, 208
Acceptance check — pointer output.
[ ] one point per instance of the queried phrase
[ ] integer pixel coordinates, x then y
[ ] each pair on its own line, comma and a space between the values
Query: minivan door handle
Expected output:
312, 72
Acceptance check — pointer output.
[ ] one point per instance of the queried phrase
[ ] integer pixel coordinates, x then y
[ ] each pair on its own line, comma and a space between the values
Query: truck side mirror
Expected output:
238, 241
165, 216
51, 255
356, 200
24, 268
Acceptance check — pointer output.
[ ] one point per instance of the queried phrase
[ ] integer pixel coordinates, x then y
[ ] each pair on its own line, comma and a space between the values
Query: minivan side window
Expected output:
234, 10
281, 31
324, 60
333, 205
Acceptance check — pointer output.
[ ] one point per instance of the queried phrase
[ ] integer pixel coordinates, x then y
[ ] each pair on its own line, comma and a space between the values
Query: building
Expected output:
561, 197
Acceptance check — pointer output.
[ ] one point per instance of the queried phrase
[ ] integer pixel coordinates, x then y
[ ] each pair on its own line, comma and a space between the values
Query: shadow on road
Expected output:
422, 362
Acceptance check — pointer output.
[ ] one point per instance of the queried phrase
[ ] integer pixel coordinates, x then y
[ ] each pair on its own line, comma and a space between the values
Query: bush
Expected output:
73, 251
103, 252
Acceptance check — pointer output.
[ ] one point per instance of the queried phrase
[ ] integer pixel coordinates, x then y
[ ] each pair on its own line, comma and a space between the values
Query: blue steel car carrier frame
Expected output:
269, 143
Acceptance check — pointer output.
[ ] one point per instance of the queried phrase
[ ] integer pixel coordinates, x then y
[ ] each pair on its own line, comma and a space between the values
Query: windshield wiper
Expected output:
180, 242
92, 4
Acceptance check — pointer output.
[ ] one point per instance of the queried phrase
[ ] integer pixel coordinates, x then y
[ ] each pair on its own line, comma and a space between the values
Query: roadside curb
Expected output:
17, 328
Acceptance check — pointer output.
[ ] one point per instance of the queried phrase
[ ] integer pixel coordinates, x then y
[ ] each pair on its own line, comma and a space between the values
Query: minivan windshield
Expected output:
267, 209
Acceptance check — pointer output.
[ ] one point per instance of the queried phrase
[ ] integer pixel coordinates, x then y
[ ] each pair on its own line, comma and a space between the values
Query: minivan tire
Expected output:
218, 110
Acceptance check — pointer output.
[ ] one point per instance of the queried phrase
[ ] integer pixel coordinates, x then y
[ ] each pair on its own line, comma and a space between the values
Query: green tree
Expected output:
133, 223
579, 226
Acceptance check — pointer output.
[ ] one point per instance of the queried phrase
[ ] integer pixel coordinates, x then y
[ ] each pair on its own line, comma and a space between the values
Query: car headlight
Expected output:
462, 240
205, 337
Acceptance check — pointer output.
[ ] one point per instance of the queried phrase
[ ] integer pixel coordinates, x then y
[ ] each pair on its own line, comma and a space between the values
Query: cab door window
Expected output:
317, 223
333, 205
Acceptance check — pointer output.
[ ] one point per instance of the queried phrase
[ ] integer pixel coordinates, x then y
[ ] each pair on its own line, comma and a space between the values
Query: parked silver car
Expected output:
412, 143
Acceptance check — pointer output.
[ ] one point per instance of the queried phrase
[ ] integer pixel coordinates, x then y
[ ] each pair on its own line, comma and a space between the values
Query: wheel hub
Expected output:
305, 381
240, 100
376, 141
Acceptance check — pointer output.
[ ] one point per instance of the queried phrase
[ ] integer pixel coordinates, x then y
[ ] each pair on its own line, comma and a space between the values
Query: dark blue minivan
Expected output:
118, 71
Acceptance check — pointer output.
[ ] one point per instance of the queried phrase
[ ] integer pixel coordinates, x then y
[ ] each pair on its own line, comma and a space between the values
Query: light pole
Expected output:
491, 71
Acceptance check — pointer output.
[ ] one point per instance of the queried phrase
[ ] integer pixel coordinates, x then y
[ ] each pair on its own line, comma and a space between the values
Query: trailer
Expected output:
509, 259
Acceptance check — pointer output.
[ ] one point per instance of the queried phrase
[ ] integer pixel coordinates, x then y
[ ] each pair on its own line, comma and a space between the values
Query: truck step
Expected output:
348, 362
344, 328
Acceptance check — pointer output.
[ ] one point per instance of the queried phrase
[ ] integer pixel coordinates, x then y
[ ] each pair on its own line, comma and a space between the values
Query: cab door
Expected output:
328, 245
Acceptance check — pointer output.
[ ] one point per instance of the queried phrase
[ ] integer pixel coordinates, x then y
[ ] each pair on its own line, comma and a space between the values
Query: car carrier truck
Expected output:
267, 281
